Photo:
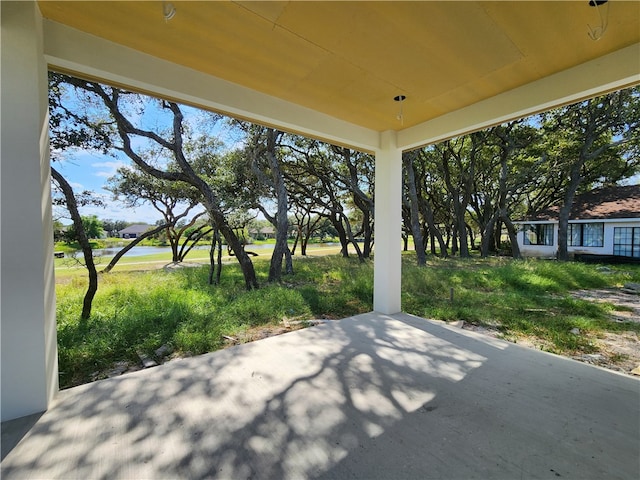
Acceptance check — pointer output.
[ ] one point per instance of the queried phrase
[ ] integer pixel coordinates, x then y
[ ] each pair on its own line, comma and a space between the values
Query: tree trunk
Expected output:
454, 240
367, 234
461, 229
497, 235
87, 252
416, 228
173, 243
275, 267
212, 260
487, 236
295, 241
360, 200
513, 236
470, 236
281, 221
350, 236
563, 226
236, 246
459, 210
565, 211
219, 269
427, 214
288, 262
342, 234
216, 246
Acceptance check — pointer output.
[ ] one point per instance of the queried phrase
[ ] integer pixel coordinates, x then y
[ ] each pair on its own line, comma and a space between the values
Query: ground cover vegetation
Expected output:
141, 311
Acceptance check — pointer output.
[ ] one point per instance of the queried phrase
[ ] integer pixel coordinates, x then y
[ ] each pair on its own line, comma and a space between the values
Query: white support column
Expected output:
29, 352
388, 226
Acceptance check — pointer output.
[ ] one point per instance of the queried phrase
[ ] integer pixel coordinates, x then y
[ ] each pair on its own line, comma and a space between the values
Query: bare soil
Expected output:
618, 351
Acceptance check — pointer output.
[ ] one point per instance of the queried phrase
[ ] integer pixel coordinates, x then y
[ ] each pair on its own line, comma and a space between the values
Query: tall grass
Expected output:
140, 311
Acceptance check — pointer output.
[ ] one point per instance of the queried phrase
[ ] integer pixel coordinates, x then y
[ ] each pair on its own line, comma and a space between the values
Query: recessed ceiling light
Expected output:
597, 32
400, 99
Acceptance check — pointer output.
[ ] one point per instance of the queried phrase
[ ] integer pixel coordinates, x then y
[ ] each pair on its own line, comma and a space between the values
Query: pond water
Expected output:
141, 251
134, 252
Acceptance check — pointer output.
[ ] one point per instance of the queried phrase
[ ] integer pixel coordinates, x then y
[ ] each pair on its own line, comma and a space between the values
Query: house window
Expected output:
540, 234
626, 241
586, 234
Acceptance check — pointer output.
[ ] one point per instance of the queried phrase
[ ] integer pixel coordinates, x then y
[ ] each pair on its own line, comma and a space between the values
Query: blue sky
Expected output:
90, 170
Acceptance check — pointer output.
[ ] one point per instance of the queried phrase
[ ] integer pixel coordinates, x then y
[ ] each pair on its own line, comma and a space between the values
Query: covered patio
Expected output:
380, 77
370, 397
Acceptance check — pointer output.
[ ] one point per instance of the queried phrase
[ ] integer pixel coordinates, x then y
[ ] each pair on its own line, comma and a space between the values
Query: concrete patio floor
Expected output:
368, 397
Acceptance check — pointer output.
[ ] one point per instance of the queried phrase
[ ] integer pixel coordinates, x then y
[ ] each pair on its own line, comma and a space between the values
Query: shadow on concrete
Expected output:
14, 430
372, 396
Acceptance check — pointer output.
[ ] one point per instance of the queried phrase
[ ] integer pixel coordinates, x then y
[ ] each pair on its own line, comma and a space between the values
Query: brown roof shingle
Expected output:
612, 202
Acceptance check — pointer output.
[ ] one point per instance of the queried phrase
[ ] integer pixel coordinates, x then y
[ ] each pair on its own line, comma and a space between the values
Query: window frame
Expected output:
581, 227
633, 245
544, 232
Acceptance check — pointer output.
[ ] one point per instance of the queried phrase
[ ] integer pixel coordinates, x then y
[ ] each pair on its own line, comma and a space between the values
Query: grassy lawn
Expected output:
138, 311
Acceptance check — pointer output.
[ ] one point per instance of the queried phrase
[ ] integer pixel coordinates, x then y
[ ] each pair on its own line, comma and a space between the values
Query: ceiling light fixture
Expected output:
597, 33
400, 99
168, 11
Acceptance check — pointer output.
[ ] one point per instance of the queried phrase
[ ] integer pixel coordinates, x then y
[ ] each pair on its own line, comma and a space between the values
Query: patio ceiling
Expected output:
349, 60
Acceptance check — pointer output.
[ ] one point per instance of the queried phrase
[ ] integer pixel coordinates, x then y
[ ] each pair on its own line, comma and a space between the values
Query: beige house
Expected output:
381, 77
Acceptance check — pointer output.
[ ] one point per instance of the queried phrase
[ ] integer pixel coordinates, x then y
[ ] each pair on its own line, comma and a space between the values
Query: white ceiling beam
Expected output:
614, 71
86, 55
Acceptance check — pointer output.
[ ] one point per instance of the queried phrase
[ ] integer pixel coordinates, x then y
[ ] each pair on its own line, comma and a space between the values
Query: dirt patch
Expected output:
627, 304
618, 351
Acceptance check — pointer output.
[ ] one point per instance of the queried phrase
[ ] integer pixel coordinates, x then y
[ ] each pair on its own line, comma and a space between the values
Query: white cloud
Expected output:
114, 165
107, 169
116, 211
